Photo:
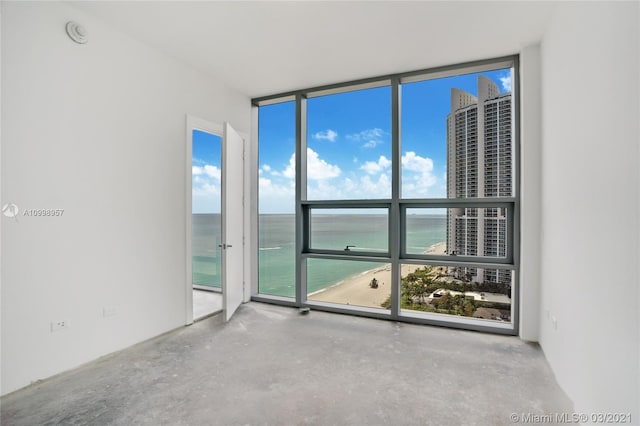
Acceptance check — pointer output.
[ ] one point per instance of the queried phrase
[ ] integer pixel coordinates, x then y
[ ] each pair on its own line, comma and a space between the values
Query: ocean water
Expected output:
277, 247
206, 255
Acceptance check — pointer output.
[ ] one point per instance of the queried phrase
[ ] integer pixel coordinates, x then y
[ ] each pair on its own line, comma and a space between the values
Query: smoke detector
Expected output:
77, 32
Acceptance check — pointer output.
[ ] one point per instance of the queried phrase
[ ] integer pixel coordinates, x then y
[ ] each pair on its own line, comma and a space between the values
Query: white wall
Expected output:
99, 131
590, 188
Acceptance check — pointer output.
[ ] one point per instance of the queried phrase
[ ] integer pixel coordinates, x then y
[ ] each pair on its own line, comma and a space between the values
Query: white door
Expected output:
232, 226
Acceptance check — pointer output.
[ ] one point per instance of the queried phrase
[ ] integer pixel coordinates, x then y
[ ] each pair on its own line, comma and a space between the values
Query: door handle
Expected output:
225, 246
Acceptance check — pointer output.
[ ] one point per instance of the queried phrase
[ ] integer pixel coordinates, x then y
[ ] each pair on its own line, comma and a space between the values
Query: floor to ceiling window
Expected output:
276, 199
399, 196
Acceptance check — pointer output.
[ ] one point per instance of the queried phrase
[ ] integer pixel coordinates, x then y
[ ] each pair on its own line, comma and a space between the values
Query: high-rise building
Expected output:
479, 165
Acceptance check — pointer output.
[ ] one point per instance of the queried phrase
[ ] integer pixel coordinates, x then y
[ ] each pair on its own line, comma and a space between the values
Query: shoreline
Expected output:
355, 290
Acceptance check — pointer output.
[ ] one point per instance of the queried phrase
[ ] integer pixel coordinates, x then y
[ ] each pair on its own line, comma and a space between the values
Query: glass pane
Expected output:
426, 231
350, 230
349, 282
349, 145
471, 292
276, 199
206, 199
457, 136
477, 232
457, 231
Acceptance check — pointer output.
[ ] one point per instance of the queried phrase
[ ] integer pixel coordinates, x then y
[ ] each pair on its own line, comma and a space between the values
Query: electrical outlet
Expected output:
59, 325
109, 311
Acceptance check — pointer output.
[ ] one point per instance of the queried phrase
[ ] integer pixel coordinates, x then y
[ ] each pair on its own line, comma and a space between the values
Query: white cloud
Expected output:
290, 171
416, 163
265, 168
206, 190
206, 196
417, 175
328, 182
376, 188
506, 82
264, 182
418, 181
276, 197
363, 187
329, 135
325, 190
369, 138
373, 167
212, 171
208, 170
317, 168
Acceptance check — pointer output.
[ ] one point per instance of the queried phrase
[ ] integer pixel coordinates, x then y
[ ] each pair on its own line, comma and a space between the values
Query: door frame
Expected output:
193, 123
196, 123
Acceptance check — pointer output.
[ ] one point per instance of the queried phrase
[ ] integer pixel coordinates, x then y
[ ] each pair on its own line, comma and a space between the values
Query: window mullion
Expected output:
395, 224
301, 195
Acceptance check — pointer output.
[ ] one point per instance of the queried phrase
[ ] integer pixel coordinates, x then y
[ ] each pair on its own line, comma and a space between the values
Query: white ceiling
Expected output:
263, 48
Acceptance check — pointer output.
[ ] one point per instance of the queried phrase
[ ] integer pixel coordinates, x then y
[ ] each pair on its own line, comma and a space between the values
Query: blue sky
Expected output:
205, 172
349, 145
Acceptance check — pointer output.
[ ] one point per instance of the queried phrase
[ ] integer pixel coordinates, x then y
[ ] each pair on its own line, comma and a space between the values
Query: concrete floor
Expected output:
272, 366
206, 303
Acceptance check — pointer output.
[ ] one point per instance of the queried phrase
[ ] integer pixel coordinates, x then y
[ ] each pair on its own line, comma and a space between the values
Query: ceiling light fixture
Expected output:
77, 32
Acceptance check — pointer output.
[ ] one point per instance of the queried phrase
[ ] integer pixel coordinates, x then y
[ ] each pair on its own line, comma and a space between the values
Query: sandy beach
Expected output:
356, 290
